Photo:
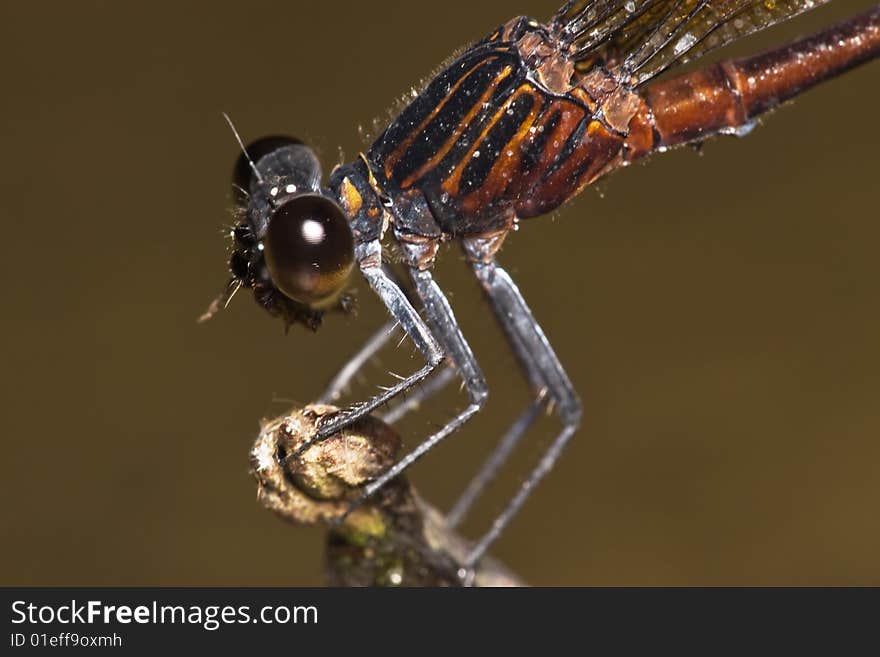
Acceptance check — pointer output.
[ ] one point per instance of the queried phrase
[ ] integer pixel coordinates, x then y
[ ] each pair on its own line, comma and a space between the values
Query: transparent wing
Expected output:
639, 39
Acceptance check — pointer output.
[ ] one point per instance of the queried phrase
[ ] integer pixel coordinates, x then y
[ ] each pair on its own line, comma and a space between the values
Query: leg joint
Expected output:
436, 357
479, 393
571, 414
567, 408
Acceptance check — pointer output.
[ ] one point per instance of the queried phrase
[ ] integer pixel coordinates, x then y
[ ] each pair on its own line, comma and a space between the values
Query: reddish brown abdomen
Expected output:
724, 97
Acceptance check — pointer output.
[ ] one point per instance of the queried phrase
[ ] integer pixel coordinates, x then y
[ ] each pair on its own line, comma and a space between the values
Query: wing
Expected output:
639, 39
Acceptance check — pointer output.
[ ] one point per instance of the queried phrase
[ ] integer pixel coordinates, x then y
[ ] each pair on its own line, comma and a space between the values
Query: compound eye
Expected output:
309, 249
242, 173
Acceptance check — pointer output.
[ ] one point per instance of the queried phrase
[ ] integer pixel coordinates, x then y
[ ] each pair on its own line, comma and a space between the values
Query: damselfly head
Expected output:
292, 244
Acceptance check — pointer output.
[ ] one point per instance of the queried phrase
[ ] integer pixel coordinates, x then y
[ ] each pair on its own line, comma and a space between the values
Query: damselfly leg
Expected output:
494, 463
342, 381
369, 258
442, 320
417, 396
542, 367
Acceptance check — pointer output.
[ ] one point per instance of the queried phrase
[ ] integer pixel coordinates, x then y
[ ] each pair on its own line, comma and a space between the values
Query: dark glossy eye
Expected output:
242, 173
309, 249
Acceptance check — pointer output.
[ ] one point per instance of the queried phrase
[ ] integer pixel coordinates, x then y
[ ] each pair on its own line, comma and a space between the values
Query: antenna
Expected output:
243, 149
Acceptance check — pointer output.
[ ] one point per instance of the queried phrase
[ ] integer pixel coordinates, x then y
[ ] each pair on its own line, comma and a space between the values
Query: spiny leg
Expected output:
541, 364
414, 397
340, 383
369, 257
442, 320
420, 394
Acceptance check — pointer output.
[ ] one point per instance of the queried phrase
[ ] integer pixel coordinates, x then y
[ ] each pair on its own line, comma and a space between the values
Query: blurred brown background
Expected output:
717, 313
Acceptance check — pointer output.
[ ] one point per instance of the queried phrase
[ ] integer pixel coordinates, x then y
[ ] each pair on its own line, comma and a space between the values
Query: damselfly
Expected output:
515, 126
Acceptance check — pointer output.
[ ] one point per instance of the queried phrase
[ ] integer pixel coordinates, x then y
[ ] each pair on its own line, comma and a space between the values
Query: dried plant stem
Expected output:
395, 539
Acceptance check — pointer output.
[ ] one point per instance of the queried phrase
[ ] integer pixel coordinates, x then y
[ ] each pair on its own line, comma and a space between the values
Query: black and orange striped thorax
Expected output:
488, 139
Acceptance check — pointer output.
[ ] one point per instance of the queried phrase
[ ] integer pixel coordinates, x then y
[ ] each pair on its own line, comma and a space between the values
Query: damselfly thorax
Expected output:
513, 128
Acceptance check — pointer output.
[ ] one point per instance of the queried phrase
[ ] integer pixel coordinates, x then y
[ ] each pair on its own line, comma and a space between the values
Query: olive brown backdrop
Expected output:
717, 313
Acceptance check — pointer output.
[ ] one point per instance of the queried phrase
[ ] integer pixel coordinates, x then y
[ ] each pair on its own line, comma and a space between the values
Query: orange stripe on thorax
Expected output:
397, 154
506, 167
451, 184
460, 128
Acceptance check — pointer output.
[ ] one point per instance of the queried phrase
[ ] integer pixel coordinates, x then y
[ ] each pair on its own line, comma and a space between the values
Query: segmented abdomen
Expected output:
483, 140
